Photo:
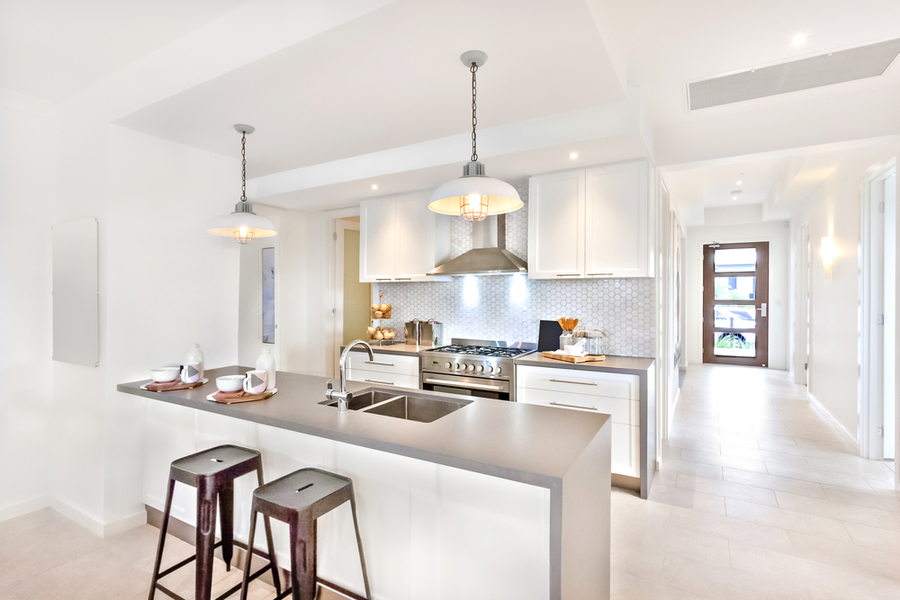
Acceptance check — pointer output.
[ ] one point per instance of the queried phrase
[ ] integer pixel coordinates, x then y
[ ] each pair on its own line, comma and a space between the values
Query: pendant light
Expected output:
475, 196
243, 224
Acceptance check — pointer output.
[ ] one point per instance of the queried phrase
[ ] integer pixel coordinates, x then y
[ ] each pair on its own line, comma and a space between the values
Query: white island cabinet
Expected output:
591, 223
400, 239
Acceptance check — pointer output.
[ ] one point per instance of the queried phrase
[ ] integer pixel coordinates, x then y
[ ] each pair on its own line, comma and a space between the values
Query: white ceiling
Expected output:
344, 95
52, 49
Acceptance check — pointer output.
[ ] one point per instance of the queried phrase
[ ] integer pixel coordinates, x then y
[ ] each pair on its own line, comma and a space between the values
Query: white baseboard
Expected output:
23, 508
99, 528
850, 438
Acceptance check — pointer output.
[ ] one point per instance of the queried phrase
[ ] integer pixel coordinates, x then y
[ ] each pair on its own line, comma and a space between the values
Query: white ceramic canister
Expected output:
266, 362
195, 356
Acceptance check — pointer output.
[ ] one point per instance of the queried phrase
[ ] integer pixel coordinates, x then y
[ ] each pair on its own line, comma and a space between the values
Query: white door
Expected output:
377, 240
414, 238
555, 225
617, 215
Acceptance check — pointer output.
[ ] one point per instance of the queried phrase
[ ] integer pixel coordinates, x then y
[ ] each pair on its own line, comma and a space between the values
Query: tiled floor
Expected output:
760, 496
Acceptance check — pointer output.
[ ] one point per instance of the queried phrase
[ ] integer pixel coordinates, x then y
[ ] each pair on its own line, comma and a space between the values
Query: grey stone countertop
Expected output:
531, 444
612, 364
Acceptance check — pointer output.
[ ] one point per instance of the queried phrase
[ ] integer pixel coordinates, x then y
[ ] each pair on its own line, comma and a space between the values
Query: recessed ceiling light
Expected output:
374, 186
739, 182
573, 156
798, 40
735, 194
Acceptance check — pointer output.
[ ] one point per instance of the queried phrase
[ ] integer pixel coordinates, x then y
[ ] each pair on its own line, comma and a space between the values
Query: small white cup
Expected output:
229, 383
190, 372
255, 383
164, 374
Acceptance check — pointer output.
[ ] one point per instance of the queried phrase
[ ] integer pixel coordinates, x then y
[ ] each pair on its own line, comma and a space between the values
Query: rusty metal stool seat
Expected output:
299, 499
213, 473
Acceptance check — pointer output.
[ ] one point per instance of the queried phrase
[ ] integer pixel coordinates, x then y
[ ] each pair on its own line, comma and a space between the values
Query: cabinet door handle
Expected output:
573, 406
381, 382
568, 274
464, 385
599, 274
404, 278
372, 362
578, 382
383, 279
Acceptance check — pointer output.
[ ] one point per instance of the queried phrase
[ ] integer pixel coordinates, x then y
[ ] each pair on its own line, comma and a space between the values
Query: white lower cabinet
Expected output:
614, 394
386, 370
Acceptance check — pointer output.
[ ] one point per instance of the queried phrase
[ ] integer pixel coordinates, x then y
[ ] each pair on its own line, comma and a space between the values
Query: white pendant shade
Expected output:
451, 196
242, 225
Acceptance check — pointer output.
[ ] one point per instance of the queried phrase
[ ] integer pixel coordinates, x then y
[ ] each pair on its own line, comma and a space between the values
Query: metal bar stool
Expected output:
213, 473
299, 499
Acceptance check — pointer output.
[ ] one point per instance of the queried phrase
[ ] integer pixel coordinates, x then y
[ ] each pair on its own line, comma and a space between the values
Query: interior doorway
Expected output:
352, 298
735, 304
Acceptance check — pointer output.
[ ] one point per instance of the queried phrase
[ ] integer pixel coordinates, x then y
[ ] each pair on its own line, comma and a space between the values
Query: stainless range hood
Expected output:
489, 256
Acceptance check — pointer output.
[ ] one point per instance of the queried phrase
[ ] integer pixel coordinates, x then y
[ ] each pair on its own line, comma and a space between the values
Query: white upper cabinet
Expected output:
400, 239
591, 223
555, 239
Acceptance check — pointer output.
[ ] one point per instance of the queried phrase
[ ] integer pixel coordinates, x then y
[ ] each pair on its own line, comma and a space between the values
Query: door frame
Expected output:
762, 333
872, 334
802, 333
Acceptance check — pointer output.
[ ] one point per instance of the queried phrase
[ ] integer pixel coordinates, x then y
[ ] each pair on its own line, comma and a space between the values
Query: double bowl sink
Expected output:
411, 407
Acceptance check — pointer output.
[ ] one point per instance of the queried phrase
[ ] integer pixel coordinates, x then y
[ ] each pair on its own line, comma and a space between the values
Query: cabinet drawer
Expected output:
570, 381
626, 450
622, 410
393, 364
376, 378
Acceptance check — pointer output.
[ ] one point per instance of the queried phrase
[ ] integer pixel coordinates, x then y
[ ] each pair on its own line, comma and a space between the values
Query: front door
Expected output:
736, 304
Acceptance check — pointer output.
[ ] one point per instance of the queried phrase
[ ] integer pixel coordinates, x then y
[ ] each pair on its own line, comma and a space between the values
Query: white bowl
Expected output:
230, 383
161, 374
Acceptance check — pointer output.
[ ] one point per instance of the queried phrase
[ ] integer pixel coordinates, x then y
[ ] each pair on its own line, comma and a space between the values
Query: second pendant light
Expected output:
475, 196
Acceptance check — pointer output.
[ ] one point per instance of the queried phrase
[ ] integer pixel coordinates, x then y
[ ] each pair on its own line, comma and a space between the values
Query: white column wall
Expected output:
27, 187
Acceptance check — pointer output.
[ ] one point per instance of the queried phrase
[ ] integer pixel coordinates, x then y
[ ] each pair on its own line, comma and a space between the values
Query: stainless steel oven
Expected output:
478, 368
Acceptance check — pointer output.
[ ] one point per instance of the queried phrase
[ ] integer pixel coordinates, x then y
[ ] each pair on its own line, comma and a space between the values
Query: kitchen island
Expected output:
496, 499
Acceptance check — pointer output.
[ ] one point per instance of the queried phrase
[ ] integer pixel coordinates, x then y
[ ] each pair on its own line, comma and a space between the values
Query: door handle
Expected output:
762, 309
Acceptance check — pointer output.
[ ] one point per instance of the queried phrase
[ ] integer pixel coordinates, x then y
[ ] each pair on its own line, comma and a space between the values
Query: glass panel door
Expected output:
735, 303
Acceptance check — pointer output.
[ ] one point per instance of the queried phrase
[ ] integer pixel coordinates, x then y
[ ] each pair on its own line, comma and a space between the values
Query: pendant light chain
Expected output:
243, 166
474, 68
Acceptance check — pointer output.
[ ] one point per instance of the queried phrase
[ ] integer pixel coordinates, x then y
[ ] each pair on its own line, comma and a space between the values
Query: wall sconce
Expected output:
829, 253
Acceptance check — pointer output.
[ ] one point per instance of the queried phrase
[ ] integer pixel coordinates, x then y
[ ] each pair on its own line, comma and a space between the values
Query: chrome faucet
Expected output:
343, 396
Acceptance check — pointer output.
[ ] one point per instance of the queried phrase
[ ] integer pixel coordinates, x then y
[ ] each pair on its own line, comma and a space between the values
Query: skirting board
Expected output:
840, 425
23, 508
103, 530
626, 482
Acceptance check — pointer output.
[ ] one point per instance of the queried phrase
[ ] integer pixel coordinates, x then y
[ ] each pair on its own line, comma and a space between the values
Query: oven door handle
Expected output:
464, 385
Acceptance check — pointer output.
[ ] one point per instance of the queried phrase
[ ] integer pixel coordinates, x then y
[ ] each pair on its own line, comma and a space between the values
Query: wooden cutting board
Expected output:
587, 358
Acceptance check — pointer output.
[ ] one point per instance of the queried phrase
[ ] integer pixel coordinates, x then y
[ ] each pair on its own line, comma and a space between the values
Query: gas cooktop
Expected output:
495, 351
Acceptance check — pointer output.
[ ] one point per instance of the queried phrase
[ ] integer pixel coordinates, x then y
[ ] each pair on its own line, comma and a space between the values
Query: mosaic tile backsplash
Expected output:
505, 307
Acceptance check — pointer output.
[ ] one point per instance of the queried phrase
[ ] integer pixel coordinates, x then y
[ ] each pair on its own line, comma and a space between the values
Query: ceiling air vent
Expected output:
835, 67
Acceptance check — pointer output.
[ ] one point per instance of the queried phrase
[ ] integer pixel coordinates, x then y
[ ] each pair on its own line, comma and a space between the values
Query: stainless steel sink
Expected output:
417, 408
364, 399
423, 409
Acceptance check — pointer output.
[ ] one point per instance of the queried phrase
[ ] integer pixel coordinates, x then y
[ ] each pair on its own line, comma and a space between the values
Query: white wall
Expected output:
777, 233
834, 209
27, 186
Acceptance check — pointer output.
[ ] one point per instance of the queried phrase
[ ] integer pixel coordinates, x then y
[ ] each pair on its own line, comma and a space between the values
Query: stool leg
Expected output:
226, 516
206, 536
303, 558
162, 537
273, 563
246, 584
362, 558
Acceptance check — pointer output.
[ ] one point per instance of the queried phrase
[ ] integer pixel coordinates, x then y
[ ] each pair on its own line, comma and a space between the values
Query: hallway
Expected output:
760, 496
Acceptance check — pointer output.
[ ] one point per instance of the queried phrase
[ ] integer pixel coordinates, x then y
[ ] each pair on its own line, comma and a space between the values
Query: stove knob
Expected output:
460, 366
470, 367
448, 366
496, 370
479, 368
490, 369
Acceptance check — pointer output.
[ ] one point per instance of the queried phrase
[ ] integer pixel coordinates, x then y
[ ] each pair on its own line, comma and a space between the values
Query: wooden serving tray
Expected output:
587, 358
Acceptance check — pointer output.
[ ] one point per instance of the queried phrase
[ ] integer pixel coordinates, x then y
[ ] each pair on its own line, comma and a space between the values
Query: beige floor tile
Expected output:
786, 519
752, 534
624, 586
694, 468
773, 482
765, 455
638, 561
868, 560
870, 499
691, 444
100, 575
708, 549
726, 489
723, 583
687, 498
855, 482
723, 460
874, 537
838, 510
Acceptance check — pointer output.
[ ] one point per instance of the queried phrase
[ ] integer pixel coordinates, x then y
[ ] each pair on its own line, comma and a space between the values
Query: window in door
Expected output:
735, 304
